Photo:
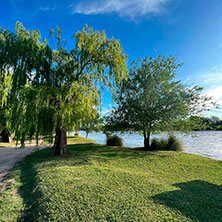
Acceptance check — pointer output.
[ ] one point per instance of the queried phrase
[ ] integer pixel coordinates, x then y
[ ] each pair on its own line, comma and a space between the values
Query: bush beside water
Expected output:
76, 133
114, 141
171, 143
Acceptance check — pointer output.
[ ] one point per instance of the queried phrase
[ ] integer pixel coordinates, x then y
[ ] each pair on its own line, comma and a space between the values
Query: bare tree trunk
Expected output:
60, 144
6, 136
87, 133
147, 140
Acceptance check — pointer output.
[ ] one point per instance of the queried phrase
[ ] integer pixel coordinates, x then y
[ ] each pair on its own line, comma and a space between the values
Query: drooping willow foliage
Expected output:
50, 87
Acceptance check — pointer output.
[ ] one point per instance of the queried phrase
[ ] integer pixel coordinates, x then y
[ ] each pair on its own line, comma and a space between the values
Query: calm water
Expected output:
205, 143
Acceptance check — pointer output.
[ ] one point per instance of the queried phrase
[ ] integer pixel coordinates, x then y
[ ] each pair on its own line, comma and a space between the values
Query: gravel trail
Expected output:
9, 156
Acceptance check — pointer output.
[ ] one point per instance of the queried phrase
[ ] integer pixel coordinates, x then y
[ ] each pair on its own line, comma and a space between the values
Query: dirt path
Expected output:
11, 155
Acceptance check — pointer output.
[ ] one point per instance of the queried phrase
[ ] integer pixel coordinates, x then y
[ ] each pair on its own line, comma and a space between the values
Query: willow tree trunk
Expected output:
60, 144
6, 136
147, 140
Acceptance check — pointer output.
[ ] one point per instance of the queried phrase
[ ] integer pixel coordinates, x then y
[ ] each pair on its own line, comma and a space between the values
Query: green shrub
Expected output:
159, 144
163, 144
174, 143
171, 143
76, 133
114, 141
155, 143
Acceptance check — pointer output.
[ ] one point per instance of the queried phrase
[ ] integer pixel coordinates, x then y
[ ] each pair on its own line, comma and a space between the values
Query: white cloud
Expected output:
211, 80
216, 94
124, 8
22, 8
46, 8
132, 9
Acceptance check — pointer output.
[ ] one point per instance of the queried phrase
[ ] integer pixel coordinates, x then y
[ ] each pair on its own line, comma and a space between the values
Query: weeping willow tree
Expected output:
5, 87
54, 88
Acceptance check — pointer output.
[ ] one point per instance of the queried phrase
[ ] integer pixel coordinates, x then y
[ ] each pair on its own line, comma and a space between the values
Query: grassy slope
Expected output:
100, 183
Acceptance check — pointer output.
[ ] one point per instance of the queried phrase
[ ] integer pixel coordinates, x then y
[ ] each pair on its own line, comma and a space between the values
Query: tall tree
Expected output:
92, 123
211, 123
54, 88
151, 100
5, 87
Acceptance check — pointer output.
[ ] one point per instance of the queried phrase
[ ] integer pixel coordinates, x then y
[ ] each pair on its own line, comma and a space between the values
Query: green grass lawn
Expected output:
70, 140
7, 144
100, 183
78, 140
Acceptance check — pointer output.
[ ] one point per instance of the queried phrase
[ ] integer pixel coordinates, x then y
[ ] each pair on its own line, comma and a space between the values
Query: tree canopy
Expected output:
211, 123
92, 123
54, 88
152, 100
5, 87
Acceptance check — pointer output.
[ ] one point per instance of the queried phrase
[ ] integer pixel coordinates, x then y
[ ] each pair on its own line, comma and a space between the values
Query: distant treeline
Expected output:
211, 123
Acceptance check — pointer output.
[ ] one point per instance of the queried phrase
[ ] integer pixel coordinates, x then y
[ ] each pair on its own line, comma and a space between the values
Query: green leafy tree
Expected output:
92, 123
211, 123
5, 86
152, 101
55, 88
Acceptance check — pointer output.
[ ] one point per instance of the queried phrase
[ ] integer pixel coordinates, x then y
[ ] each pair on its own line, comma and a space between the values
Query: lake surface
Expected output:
205, 143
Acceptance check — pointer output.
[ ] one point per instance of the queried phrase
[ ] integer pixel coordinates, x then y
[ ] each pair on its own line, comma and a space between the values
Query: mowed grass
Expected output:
70, 140
101, 183
7, 144
78, 140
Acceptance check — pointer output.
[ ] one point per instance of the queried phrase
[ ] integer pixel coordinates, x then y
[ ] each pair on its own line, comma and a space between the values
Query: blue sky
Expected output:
188, 29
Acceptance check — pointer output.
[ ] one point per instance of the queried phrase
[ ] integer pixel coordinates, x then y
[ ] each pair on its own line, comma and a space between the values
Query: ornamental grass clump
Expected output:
155, 143
171, 143
159, 144
114, 141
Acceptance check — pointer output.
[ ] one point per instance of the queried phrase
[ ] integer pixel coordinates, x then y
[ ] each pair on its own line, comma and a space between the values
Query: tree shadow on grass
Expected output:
199, 200
30, 191
106, 152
